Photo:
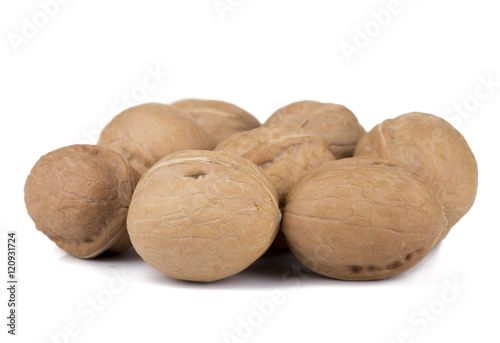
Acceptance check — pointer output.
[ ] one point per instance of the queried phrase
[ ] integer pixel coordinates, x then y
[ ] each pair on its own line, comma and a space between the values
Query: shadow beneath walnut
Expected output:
274, 270
128, 262
126, 256
282, 270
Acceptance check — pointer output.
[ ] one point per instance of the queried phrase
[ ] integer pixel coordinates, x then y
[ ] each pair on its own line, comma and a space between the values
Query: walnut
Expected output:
146, 133
203, 215
362, 219
284, 153
222, 119
435, 149
335, 123
78, 196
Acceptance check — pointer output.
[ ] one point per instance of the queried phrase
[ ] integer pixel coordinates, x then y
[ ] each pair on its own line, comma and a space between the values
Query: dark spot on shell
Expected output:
394, 265
197, 175
356, 269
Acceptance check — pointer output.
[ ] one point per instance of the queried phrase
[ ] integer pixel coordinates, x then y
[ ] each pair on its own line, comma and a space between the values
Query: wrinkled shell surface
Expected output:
78, 196
222, 119
362, 219
334, 123
146, 133
434, 148
284, 154
203, 215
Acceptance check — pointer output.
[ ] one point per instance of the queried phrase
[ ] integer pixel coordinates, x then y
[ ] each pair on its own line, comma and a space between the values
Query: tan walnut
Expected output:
435, 149
362, 219
222, 119
146, 133
284, 153
78, 196
203, 215
335, 123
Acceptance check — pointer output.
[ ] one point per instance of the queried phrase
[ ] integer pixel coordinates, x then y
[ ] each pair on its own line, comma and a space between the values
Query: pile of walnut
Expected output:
201, 190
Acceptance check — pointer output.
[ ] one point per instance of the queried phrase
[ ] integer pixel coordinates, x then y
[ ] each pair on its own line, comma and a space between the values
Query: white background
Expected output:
63, 82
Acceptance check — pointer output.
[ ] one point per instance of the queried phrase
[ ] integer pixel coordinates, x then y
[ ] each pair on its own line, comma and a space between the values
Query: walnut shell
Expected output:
435, 149
335, 123
203, 215
146, 133
222, 119
362, 219
284, 153
78, 196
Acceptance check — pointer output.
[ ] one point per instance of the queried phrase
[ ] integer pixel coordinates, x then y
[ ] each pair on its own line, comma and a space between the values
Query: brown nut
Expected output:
203, 215
435, 149
222, 119
335, 123
78, 196
284, 153
146, 133
362, 219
